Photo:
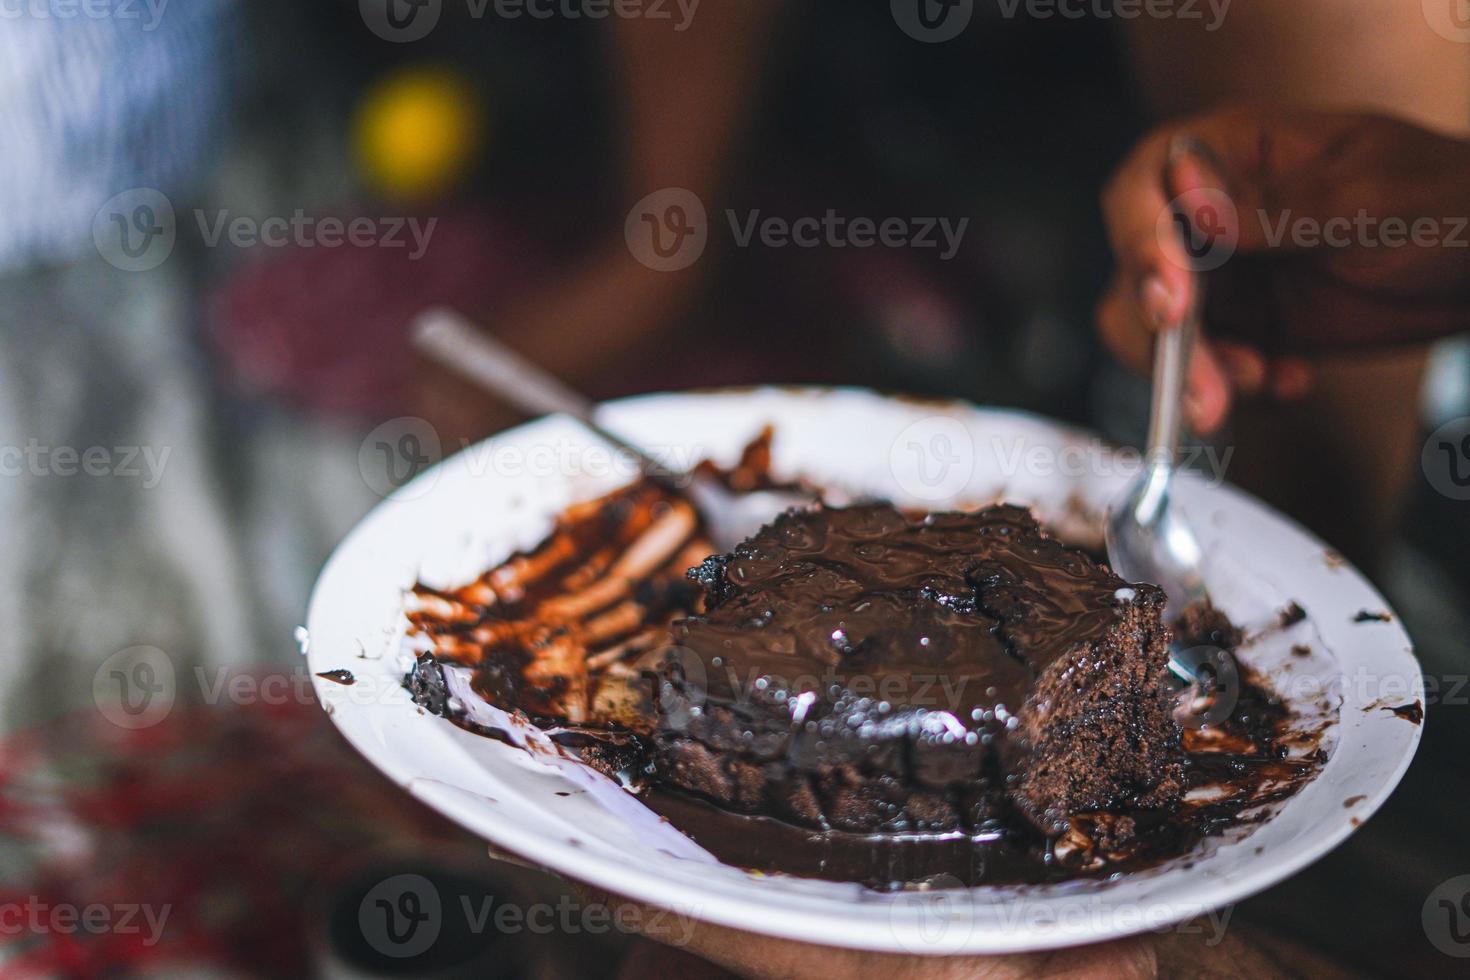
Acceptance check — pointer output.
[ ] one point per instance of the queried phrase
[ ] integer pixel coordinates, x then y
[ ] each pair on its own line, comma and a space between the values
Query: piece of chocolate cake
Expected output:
856, 670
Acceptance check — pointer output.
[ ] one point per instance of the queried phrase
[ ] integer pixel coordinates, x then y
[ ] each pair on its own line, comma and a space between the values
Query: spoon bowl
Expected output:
1147, 537
1149, 540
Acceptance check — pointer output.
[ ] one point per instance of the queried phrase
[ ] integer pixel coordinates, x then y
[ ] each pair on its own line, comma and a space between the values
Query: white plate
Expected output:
471, 511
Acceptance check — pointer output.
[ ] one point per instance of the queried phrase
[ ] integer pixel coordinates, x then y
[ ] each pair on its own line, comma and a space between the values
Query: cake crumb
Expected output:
1292, 614
1201, 624
1413, 712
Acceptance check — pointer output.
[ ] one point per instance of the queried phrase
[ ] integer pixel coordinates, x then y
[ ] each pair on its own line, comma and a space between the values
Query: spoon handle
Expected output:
459, 345
1171, 373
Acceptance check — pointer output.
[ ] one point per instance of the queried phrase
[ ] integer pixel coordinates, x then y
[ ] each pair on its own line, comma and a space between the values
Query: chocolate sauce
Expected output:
564, 634
857, 669
815, 601
1292, 614
339, 676
541, 630
1413, 712
1241, 768
880, 861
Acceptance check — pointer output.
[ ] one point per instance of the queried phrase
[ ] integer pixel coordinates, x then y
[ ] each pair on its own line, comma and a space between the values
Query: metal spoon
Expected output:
1147, 538
459, 345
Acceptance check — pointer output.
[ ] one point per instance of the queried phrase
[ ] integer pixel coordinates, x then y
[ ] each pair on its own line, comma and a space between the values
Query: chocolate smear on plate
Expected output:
571, 636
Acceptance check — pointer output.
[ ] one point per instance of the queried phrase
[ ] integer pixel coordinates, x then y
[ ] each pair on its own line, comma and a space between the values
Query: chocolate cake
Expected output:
856, 695
855, 670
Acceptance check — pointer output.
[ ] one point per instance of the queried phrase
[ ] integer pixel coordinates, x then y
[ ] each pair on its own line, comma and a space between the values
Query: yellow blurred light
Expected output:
417, 132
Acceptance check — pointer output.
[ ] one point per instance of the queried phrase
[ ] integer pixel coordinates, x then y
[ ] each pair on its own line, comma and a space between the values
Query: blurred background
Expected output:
219, 219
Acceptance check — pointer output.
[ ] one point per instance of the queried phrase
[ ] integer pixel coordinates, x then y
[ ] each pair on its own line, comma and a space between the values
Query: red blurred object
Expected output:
325, 329
232, 818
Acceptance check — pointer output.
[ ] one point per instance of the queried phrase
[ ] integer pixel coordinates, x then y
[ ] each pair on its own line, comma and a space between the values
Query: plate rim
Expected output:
652, 887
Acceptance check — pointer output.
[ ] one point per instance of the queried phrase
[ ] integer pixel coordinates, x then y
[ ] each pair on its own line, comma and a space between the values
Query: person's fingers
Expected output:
1291, 379
760, 957
1224, 174
1258, 170
1260, 202
768, 958
1207, 399
1150, 261
506, 857
1201, 195
1120, 324
1244, 366
1248, 372
1120, 327
1159, 302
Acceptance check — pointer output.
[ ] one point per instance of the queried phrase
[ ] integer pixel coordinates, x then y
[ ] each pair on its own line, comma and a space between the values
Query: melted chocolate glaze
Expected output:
990, 603
1413, 712
1254, 776
1251, 760
858, 670
983, 603
1246, 764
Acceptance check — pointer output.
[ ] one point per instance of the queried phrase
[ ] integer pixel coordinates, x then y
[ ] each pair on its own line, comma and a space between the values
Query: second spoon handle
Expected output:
456, 343
459, 345
1171, 374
